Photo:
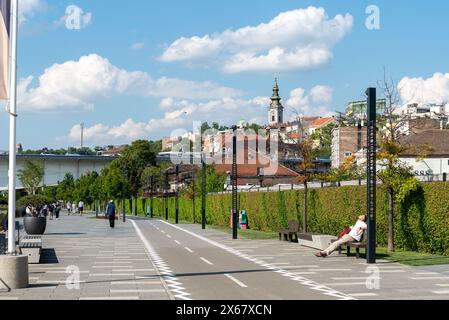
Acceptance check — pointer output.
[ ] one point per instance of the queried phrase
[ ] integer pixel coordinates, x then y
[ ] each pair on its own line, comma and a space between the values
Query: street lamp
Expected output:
166, 193
203, 186
371, 176
177, 196
123, 194
152, 198
234, 185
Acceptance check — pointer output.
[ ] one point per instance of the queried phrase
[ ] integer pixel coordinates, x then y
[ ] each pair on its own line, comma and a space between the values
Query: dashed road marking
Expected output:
241, 284
188, 249
362, 295
302, 280
441, 292
169, 280
207, 261
177, 242
430, 278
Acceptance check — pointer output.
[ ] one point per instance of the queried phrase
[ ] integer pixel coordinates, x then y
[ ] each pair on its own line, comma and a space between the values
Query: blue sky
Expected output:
123, 93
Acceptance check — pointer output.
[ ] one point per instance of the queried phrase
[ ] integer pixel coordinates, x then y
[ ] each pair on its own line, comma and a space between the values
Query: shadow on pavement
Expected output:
49, 256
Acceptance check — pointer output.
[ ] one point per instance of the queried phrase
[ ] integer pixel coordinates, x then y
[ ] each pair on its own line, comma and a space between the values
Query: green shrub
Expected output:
421, 220
34, 200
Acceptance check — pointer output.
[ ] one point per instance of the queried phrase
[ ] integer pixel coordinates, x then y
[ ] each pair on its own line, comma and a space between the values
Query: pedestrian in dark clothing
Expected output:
57, 210
110, 212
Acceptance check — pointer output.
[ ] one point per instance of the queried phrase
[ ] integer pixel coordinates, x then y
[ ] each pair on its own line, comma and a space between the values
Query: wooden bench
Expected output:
31, 246
356, 245
291, 233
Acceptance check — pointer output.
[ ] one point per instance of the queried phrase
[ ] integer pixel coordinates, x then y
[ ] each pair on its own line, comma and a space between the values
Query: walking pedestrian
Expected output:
81, 207
69, 207
73, 208
51, 209
110, 212
57, 210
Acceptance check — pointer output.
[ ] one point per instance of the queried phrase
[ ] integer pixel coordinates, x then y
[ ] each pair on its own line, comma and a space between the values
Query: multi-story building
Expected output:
346, 142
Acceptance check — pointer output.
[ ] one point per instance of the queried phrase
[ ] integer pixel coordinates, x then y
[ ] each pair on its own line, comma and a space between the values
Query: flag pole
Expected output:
12, 130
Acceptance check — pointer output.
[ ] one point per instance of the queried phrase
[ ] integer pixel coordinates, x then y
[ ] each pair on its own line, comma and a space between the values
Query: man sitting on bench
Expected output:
355, 235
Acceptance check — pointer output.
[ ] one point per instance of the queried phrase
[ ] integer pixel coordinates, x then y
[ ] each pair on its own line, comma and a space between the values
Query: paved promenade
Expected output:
153, 260
113, 264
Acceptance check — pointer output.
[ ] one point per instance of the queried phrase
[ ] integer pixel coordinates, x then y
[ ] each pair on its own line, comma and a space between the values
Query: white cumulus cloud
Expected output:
77, 84
297, 39
419, 90
27, 8
314, 103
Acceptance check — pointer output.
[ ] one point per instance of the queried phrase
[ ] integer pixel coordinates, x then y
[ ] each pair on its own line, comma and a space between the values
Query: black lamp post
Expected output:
235, 217
203, 187
123, 195
152, 198
166, 194
177, 196
371, 176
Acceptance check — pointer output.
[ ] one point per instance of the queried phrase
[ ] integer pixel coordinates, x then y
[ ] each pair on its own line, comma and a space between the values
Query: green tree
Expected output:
134, 159
65, 189
306, 152
396, 176
32, 175
324, 136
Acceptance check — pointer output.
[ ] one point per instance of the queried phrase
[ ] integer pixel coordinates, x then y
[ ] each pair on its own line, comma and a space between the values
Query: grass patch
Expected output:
409, 258
249, 233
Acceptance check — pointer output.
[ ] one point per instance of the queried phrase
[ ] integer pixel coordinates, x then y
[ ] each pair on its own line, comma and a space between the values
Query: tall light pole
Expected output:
12, 131
235, 217
177, 196
167, 184
203, 187
123, 195
371, 176
152, 198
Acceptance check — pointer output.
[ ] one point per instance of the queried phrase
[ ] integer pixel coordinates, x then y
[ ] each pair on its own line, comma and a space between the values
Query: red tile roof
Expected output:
321, 122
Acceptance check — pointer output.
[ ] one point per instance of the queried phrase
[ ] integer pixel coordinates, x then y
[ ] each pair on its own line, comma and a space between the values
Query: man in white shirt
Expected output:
81, 207
355, 235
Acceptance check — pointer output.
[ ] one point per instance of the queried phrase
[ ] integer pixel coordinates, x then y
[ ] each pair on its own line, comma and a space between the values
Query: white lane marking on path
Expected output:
361, 295
241, 284
207, 261
170, 282
177, 242
304, 281
188, 249
346, 284
443, 285
349, 278
168, 236
109, 298
430, 278
441, 292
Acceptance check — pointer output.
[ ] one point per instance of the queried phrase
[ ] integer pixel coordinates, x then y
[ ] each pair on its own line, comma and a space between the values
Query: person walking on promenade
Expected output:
110, 213
81, 207
73, 208
69, 207
355, 235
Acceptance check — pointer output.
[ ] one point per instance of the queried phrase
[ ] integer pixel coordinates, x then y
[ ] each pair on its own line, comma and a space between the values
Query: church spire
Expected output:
276, 112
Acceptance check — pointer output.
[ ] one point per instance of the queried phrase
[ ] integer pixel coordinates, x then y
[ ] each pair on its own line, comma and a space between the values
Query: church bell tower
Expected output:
276, 111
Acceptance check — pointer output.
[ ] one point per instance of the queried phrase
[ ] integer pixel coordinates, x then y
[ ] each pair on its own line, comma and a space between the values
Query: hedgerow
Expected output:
421, 218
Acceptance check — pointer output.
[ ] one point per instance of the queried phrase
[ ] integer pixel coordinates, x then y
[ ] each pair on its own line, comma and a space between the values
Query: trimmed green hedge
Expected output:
421, 222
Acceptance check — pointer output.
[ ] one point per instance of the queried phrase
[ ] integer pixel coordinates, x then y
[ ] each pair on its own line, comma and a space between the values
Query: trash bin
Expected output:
243, 220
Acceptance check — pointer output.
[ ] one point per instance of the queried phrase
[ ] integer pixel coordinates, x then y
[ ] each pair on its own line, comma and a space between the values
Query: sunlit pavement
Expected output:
151, 259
